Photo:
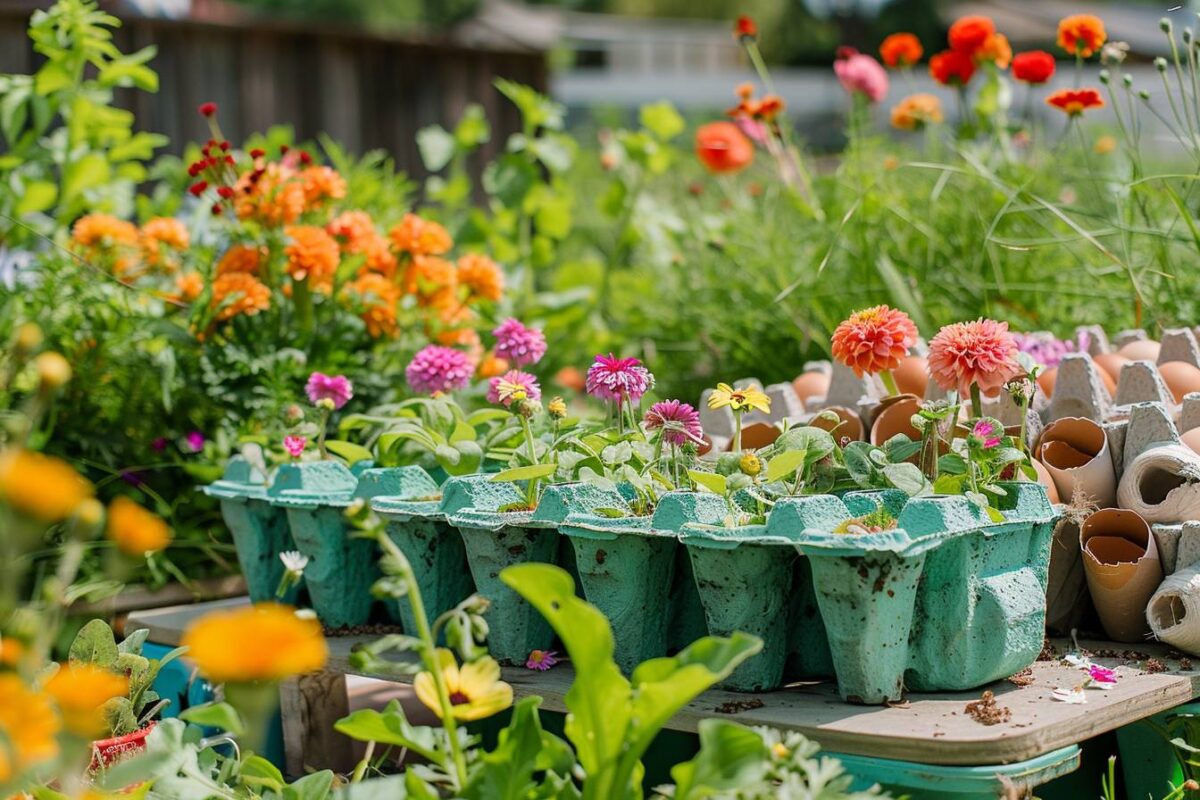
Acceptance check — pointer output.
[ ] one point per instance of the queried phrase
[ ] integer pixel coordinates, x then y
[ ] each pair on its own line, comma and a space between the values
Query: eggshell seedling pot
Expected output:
260, 530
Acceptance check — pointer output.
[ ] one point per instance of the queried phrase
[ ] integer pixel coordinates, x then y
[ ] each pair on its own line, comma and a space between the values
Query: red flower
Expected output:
969, 33
952, 68
1081, 34
198, 188
901, 50
208, 109
722, 147
874, 340
1036, 66
745, 28
257, 152
1075, 101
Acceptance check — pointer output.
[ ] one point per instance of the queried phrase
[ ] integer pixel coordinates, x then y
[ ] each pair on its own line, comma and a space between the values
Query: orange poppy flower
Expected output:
901, 50
968, 34
1081, 34
1035, 66
745, 27
952, 68
1075, 101
722, 147
995, 49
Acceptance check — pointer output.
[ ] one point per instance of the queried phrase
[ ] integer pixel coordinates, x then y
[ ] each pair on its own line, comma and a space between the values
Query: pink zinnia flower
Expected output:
987, 432
982, 353
195, 441
1101, 674
680, 422
436, 369
618, 379
294, 445
518, 344
874, 340
513, 386
335, 388
861, 73
541, 660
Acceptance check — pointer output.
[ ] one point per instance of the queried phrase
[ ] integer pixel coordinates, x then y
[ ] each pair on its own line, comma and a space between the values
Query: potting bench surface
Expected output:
925, 728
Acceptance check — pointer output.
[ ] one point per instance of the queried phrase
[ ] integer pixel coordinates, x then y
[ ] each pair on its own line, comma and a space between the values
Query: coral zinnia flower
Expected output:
952, 68
312, 255
995, 49
917, 111
134, 530
618, 379
1075, 101
482, 277
354, 230
861, 74
968, 34
80, 692
981, 353
722, 147
1034, 67
264, 642
377, 296
239, 293
241, 258
1081, 34
420, 237
874, 340
519, 344
680, 422
475, 688
336, 389
28, 727
436, 369
739, 399
39, 486
513, 387
901, 50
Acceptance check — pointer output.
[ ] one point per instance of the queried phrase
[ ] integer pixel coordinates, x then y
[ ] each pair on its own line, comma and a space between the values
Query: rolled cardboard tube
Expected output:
1075, 452
1160, 484
1120, 559
1174, 610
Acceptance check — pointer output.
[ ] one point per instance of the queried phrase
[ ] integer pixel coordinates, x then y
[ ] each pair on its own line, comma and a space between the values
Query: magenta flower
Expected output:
294, 445
861, 74
335, 388
436, 369
541, 660
618, 379
513, 386
519, 345
680, 422
159, 444
195, 441
1100, 674
988, 432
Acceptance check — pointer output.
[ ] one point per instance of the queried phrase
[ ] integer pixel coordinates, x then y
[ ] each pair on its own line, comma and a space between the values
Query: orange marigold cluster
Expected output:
432, 279
160, 232
237, 293
103, 231
188, 286
356, 234
481, 276
241, 258
312, 255
917, 111
321, 184
420, 237
377, 297
272, 197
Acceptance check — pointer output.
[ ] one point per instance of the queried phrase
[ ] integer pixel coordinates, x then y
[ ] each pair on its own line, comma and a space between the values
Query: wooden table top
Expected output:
927, 728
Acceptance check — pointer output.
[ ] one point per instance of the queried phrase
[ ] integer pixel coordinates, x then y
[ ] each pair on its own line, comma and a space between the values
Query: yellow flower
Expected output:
750, 464
52, 369
739, 399
28, 727
39, 486
557, 408
80, 691
134, 530
475, 689
263, 642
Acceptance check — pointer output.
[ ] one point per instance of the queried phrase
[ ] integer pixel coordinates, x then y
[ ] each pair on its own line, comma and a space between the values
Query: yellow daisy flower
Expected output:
739, 399
475, 689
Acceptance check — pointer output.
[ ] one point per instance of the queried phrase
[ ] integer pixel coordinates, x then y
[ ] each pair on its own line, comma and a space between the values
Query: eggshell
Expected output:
1141, 350
1046, 480
912, 376
1046, 381
1111, 363
1181, 377
1192, 439
811, 384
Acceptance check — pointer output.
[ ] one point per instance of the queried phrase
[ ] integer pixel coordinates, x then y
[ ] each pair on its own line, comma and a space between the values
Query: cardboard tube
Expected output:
1075, 452
1174, 610
1161, 484
1120, 559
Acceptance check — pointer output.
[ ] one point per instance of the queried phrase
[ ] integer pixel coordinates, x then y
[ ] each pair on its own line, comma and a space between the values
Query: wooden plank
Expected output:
929, 728
309, 706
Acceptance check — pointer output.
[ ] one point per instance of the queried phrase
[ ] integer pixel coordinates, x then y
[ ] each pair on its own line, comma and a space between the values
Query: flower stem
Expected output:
889, 382
324, 424
737, 431
976, 401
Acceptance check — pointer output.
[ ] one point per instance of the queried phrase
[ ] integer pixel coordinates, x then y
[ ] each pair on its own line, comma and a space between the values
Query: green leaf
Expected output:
908, 478
472, 129
260, 773
529, 473
903, 295
86, 173
661, 119
952, 464
507, 772
315, 786
509, 179
537, 110
390, 727
814, 441
215, 715
119, 716
350, 452
38, 196
901, 448
437, 147
717, 484
94, 644
731, 756
134, 641
52, 77
784, 464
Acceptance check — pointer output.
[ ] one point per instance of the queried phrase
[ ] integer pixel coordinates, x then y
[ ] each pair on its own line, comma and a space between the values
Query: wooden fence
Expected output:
366, 91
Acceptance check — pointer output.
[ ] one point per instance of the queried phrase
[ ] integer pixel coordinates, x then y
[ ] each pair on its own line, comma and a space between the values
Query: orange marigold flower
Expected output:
722, 147
378, 298
189, 286
273, 196
917, 111
420, 237
380, 258
492, 365
428, 275
1075, 101
39, 486
312, 255
482, 277
874, 340
322, 183
995, 49
29, 727
80, 692
241, 258
237, 293
354, 230
264, 642
162, 231
134, 530
901, 50
968, 34
103, 231
952, 68
1081, 34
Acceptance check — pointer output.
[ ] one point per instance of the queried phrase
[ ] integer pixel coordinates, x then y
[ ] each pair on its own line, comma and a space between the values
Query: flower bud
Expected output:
1164, 24
557, 408
325, 404
528, 408
1127, 79
53, 370
750, 464
90, 512
1104, 76
1160, 64
1144, 94
293, 414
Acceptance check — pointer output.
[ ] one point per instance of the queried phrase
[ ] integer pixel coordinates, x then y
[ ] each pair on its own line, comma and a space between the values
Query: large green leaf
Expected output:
38, 196
390, 727
784, 464
351, 452
507, 772
215, 715
94, 644
731, 756
529, 473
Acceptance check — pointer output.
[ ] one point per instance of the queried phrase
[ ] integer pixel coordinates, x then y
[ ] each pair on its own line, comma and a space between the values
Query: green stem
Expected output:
324, 425
528, 438
302, 297
360, 769
976, 401
889, 382
737, 431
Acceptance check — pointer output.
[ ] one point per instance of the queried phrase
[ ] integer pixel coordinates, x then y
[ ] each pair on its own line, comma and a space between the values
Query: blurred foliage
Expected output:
373, 14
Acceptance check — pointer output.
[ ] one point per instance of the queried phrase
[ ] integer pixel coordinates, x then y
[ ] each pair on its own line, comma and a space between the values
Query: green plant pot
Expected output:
626, 570
260, 530
684, 609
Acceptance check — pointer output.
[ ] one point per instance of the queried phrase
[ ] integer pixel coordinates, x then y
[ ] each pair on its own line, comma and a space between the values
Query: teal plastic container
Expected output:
433, 547
260, 530
947, 600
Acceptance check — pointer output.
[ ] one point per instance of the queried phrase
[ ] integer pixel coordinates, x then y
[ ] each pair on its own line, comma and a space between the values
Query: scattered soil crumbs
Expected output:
1022, 678
1185, 665
985, 711
734, 706
1049, 651
376, 629
1153, 665
1127, 656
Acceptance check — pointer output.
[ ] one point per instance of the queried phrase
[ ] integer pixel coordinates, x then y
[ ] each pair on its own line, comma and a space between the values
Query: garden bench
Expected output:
927, 746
